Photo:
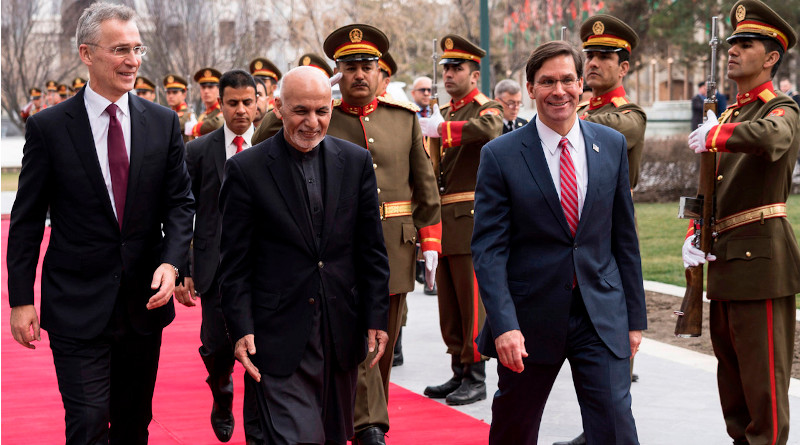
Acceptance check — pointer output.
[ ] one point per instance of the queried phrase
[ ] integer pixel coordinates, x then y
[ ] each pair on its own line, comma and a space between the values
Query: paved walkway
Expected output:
675, 400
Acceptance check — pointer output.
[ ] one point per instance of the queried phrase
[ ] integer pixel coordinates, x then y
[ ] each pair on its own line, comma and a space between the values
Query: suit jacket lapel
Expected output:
533, 153
334, 169
82, 139
280, 166
219, 155
139, 145
592, 170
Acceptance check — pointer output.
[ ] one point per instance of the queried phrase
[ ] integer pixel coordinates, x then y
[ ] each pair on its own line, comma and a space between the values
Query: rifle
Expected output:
434, 144
701, 210
564, 33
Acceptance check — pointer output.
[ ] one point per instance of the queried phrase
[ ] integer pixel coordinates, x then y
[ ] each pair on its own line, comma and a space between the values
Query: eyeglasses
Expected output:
548, 84
511, 103
123, 51
424, 90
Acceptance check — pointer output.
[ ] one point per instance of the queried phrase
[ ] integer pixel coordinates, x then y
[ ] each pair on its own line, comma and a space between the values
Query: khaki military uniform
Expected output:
753, 282
409, 202
185, 115
615, 110
469, 124
210, 120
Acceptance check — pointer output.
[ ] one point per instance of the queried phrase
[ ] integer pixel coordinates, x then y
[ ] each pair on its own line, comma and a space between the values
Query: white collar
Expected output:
97, 104
247, 135
550, 138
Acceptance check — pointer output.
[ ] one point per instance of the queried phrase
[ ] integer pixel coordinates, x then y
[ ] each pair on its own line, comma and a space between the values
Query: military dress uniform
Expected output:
470, 122
30, 109
754, 279
616, 111
184, 112
211, 118
264, 69
605, 33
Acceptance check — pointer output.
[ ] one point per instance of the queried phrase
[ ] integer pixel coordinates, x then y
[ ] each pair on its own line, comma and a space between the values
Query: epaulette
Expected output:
481, 99
398, 103
619, 101
766, 96
583, 104
442, 107
337, 102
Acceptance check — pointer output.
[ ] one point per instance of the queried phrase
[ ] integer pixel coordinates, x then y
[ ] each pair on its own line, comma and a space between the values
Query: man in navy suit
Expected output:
110, 166
557, 261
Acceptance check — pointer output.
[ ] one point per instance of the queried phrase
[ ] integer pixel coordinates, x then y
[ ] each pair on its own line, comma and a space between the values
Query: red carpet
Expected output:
32, 412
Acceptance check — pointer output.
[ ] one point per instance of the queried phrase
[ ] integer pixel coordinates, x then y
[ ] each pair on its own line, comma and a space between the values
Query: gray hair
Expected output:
420, 78
506, 86
88, 30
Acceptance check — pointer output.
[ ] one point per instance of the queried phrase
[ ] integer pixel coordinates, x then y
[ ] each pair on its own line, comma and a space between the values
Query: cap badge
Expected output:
170, 79
598, 28
140, 82
306, 60
259, 65
741, 12
207, 73
448, 44
356, 35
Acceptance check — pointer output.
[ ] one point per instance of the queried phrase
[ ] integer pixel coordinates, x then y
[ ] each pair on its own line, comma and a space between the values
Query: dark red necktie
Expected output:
423, 112
238, 141
569, 187
117, 161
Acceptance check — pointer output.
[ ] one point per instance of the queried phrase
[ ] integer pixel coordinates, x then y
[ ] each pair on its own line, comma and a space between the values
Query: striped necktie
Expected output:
569, 187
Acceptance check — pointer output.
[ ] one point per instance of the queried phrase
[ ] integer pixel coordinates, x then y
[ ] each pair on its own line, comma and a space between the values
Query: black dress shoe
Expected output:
580, 440
634, 377
373, 435
222, 422
430, 290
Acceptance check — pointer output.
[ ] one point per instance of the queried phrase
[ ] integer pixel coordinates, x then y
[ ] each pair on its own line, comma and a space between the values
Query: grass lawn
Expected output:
8, 182
661, 236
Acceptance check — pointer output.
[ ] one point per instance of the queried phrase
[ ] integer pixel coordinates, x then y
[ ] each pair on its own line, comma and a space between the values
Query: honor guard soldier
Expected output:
34, 106
78, 83
175, 87
263, 68
145, 88
63, 92
406, 192
388, 68
457, 134
311, 59
51, 86
754, 265
607, 43
211, 118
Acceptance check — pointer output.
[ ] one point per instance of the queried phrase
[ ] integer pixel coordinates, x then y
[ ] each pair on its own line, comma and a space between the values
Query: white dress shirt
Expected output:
552, 154
230, 147
98, 120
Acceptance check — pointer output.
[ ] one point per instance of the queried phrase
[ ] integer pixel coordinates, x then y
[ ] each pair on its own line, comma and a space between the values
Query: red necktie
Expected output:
117, 162
569, 187
423, 112
238, 140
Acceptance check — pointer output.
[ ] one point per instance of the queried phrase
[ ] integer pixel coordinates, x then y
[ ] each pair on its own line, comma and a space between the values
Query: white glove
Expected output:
335, 79
430, 125
431, 261
187, 128
27, 108
692, 256
697, 139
